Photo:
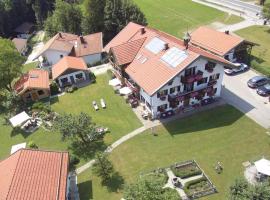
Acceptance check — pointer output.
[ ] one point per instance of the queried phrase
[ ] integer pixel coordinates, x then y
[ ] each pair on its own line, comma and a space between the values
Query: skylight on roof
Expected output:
155, 45
174, 57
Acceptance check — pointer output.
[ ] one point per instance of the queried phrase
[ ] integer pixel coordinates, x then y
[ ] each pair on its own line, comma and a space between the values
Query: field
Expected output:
208, 137
178, 16
261, 53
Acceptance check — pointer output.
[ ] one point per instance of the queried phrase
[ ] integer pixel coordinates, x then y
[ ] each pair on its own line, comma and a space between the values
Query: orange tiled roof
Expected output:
34, 174
217, 42
19, 43
88, 45
125, 53
34, 79
68, 62
147, 69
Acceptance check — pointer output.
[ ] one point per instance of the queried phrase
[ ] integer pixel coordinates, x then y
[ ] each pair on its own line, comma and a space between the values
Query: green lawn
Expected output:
118, 117
222, 134
176, 16
29, 66
261, 53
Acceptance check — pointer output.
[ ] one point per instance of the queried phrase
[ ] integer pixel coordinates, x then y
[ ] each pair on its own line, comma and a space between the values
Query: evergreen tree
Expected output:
93, 12
266, 10
103, 167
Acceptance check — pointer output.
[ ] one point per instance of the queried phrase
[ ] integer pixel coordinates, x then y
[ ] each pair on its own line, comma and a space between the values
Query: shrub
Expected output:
32, 145
54, 88
40, 106
92, 77
70, 89
74, 160
187, 171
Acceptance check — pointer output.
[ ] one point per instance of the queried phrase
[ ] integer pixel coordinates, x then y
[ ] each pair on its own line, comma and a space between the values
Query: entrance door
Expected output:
72, 79
34, 96
186, 102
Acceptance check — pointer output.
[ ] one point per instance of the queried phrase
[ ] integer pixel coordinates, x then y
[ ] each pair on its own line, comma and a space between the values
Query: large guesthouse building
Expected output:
166, 74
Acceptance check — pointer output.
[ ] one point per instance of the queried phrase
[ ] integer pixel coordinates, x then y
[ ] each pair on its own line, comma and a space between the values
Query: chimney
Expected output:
187, 38
81, 39
227, 32
60, 35
166, 46
142, 30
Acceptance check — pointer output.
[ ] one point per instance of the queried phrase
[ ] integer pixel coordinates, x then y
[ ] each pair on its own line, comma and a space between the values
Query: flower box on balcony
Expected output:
211, 83
162, 98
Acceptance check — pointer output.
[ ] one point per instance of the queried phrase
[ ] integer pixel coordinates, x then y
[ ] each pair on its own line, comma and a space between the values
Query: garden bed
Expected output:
186, 170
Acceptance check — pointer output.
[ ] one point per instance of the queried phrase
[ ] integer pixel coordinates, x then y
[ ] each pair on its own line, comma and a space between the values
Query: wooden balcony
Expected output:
192, 78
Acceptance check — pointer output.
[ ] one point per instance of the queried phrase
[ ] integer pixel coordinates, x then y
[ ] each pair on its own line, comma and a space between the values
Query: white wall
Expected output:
200, 65
54, 56
69, 75
90, 59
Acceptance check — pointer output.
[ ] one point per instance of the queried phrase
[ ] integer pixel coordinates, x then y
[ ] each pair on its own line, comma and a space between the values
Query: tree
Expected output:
66, 17
241, 190
93, 16
150, 187
117, 14
103, 167
266, 10
10, 64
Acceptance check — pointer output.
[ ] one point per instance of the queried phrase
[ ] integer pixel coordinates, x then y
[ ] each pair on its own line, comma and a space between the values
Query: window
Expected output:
188, 87
162, 93
172, 90
40, 92
64, 80
214, 77
190, 71
148, 105
171, 82
79, 76
178, 88
61, 56
215, 91
203, 81
142, 99
162, 108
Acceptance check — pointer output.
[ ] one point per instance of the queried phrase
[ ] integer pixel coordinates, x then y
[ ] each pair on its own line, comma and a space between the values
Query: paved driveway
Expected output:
237, 93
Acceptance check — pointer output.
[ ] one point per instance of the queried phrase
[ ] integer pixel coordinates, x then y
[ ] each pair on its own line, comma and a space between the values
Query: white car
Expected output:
239, 67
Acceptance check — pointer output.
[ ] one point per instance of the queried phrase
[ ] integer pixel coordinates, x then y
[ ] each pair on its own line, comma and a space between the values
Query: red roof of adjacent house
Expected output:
88, 45
19, 43
148, 69
75, 45
34, 79
217, 42
68, 62
34, 174
125, 53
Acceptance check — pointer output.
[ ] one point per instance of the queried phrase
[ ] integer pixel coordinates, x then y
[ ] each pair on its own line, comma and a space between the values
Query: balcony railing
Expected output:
131, 86
212, 83
192, 78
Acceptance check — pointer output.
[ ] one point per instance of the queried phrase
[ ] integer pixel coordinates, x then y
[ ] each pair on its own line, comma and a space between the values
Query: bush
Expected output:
187, 172
73, 161
54, 88
71, 89
92, 77
32, 145
40, 106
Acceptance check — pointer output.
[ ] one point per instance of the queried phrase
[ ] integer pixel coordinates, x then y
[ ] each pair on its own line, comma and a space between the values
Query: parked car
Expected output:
239, 67
264, 90
257, 81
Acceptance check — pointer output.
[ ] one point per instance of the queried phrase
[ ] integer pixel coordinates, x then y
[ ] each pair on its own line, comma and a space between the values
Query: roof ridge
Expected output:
19, 151
129, 41
59, 175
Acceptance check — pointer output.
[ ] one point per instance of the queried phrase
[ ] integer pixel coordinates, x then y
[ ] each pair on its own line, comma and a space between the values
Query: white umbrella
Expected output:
263, 166
114, 82
125, 91
19, 119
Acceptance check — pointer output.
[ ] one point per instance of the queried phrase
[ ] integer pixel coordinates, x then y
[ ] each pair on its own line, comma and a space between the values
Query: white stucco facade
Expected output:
71, 78
153, 102
53, 56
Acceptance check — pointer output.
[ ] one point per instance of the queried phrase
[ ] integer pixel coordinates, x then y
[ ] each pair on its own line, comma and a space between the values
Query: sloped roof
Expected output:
148, 69
24, 27
19, 43
34, 174
88, 45
125, 53
215, 41
68, 62
34, 79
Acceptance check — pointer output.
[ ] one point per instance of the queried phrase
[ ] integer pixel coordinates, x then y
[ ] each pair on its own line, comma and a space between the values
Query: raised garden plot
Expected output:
187, 170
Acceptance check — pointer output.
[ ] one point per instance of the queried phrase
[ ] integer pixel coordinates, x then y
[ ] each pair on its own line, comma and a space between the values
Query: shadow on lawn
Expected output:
18, 130
116, 183
86, 190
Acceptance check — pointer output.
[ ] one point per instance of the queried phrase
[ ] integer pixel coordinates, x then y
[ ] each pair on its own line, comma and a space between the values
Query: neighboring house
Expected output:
24, 30
33, 85
34, 174
88, 47
21, 45
164, 72
231, 47
69, 71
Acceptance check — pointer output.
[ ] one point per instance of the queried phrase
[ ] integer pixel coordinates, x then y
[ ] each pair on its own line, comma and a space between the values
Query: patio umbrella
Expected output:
114, 82
19, 119
263, 166
125, 91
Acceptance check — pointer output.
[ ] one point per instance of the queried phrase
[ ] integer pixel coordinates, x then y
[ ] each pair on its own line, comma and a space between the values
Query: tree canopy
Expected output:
10, 64
266, 10
66, 17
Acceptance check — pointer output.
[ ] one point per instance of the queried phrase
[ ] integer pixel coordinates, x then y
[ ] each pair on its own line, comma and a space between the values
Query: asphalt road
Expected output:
237, 93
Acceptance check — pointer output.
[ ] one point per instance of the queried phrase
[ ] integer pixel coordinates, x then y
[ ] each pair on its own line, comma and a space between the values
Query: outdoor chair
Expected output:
95, 105
103, 104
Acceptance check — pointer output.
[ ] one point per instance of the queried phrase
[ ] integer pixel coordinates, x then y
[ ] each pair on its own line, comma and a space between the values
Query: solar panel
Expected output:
155, 45
174, 56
